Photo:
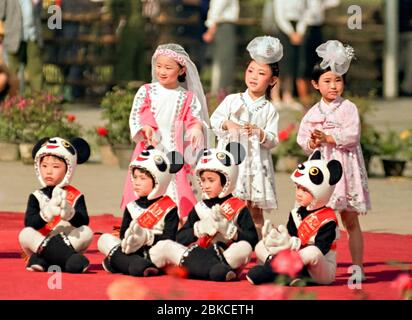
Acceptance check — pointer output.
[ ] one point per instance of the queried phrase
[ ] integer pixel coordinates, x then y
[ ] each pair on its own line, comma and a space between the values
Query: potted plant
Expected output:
9, 149
37, 116
107, 156
116, 106
370, 143
288, 150
395, 150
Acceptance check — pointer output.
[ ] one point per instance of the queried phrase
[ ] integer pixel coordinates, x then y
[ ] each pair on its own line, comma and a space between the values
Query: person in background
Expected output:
221, 33
23, 38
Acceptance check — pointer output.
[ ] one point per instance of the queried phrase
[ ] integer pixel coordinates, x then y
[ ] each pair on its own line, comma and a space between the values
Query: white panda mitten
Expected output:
51, 209
66, 209
279, 239
135, 237
204, 227
226, 228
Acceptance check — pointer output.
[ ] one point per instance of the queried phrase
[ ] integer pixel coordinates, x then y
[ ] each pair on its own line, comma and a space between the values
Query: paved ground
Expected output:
102, 185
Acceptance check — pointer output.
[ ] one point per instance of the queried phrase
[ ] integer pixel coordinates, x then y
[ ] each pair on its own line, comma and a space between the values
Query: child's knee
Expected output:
107, 242
310, 255
238, 254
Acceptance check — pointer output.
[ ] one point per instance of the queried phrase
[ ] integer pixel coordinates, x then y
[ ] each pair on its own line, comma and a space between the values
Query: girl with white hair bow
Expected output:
171, 114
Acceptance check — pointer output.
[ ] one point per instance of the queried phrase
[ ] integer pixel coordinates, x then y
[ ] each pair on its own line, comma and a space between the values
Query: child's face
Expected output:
52, 170
210, 184
142, 183
258, 77
167, 71
330, 86
302, 196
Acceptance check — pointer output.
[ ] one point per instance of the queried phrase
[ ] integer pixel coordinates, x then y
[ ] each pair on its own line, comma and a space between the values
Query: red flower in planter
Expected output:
102, 131
71, 117
287, 262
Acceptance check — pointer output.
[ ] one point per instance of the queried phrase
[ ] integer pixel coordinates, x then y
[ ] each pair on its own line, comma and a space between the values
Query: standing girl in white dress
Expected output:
250, 118
170, 114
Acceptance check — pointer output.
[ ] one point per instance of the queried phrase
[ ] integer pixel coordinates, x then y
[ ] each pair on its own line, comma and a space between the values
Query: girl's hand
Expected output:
251, 129
195, 136
321, 137
230, 125
149, 135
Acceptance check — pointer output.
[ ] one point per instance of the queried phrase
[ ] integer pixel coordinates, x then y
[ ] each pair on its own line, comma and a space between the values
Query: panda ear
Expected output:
38, 145
150, 147
176, 161
315, 155
82, 149
237, 150
335, 169
200, 154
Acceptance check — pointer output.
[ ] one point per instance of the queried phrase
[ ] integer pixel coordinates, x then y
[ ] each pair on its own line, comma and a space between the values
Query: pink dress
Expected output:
340, 119
171, 112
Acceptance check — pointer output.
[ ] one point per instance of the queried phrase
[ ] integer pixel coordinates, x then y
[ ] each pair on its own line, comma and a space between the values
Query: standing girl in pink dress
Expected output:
170, 114
333, 126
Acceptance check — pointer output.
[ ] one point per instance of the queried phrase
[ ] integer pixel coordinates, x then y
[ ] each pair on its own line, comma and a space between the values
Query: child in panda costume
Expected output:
312, 229
219, 235
56, 221
147, 220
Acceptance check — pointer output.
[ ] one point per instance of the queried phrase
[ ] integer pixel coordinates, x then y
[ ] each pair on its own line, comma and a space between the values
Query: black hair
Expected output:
221, 176
145, 172
318, 71
274, 68
54, 156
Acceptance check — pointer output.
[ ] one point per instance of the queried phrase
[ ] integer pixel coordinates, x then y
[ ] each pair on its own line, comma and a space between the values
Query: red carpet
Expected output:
17, 283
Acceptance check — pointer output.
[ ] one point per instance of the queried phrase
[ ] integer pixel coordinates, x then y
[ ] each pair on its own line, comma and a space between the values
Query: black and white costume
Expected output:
146, 220
311, 230
218, 237
56, 221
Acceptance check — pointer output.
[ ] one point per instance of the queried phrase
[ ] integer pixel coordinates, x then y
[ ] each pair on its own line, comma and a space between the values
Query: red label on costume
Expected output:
230, 208
72, 195
155, 212
313, 222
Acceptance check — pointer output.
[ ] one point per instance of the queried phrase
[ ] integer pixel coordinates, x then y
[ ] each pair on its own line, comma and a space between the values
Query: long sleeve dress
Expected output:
340, 119
256, 181
171, 112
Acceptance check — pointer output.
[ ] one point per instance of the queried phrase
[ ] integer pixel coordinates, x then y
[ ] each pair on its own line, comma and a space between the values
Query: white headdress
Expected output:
336, 56
160, 165
224, 161
265, 49
319, 177
192, 83
73, 152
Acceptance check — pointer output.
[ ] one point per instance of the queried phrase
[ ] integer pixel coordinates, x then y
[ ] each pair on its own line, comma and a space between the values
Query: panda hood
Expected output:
160, 165
72, 152
224, 161
319, 177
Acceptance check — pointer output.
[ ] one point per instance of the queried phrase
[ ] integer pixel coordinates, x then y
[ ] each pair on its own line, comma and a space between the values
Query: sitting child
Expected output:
56, 219
147, 220
218, 237
312, 229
